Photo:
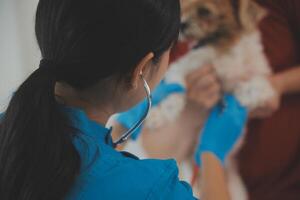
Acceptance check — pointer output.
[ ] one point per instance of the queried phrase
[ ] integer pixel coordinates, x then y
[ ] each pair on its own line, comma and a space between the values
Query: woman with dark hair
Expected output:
97, 59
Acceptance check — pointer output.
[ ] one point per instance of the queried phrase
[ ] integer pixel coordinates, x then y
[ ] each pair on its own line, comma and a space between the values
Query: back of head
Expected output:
82, 42
90, 35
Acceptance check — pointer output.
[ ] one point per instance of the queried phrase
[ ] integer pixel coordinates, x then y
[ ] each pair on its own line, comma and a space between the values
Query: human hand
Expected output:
273, 104
222, 129
203, 88
129, 118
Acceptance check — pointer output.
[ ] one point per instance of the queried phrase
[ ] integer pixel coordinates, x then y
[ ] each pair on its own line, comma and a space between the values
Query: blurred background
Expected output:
19, 53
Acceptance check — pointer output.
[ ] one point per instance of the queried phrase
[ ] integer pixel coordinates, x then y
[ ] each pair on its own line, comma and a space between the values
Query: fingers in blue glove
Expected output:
222, 129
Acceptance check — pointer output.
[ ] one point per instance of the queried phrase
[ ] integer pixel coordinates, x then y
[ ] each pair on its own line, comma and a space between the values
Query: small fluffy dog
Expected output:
225, 35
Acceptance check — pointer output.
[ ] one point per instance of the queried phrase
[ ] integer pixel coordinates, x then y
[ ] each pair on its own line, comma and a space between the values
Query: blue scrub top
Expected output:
109, 175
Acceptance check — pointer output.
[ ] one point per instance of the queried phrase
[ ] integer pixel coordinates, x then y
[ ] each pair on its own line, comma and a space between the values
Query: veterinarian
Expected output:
100, 58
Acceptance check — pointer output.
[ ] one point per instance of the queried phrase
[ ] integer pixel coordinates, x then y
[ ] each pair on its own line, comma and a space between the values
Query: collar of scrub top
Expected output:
89, 127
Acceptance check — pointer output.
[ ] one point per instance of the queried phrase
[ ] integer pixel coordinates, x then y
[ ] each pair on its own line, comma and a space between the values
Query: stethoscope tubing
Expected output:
139, 123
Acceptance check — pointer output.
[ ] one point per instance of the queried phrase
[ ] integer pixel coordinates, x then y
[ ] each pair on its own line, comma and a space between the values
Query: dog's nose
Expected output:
183, 26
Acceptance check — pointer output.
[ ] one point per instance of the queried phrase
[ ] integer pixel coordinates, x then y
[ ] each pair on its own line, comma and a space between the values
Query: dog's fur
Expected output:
226, 35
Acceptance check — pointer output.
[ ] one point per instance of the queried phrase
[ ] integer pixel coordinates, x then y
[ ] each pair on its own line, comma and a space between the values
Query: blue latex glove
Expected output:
129, 118
222, 129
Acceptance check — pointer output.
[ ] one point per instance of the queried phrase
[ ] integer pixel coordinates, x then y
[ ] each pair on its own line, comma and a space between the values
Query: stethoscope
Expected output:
128, 133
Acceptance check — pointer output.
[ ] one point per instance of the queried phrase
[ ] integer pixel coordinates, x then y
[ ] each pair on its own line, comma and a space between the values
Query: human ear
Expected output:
141, 68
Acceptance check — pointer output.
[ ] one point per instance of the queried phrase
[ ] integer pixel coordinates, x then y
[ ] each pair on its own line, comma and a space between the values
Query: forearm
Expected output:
214, 185
288, 81
175, 140
164, 143
161, 143
178, 139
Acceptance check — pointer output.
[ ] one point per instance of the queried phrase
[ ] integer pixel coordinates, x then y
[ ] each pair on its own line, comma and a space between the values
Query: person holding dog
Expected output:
269, 161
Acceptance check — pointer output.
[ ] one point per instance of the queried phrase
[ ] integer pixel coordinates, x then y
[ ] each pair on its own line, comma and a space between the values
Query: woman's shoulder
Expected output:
117, 175
162, 179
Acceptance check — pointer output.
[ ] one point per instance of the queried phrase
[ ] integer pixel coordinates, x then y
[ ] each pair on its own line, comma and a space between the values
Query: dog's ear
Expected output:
250, 14
186, 5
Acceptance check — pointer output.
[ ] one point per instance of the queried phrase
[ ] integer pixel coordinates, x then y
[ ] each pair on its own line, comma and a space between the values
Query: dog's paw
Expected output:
255, 92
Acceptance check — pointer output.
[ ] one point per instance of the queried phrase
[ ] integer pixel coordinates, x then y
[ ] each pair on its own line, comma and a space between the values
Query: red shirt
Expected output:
270, 159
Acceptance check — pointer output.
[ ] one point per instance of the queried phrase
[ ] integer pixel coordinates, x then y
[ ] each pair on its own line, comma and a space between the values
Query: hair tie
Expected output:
49, 67
47, 64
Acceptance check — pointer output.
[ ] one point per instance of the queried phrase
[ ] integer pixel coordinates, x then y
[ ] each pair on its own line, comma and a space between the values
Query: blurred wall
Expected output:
19, 54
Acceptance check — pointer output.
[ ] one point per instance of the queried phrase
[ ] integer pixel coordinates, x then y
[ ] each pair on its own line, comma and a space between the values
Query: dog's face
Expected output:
219, 21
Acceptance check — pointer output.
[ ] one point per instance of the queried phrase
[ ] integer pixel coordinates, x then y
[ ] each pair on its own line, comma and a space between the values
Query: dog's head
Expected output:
219, 22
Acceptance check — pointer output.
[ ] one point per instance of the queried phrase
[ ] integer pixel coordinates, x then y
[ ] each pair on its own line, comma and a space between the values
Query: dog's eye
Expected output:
203, 12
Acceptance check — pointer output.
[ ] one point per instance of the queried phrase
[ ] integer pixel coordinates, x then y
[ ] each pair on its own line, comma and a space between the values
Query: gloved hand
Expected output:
129, 118
222, 129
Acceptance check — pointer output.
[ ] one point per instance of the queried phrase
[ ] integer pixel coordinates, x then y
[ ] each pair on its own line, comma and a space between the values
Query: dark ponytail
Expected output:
36, 154
83, 42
